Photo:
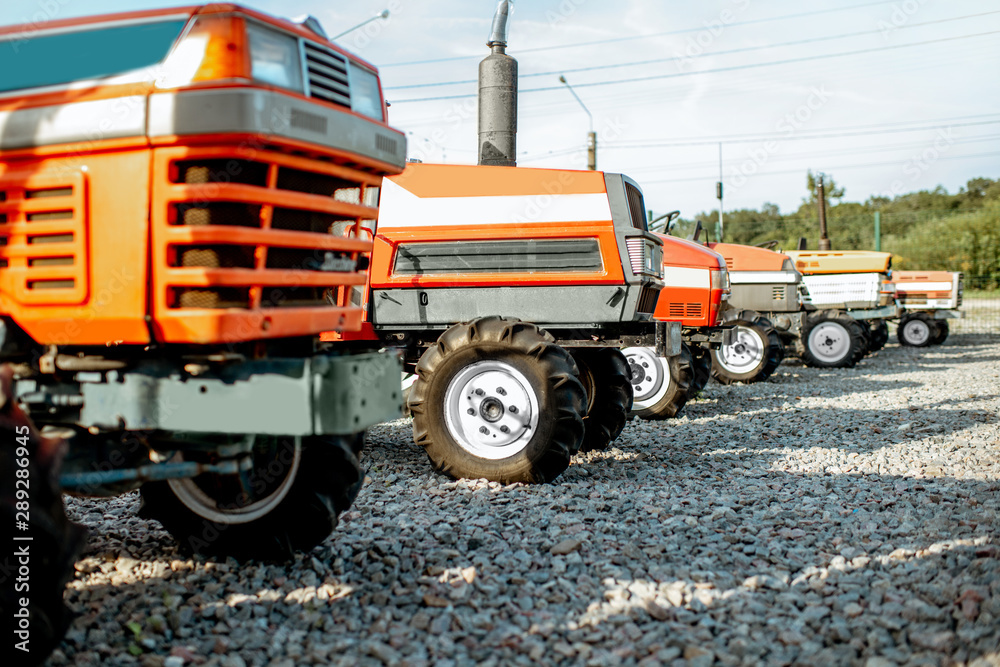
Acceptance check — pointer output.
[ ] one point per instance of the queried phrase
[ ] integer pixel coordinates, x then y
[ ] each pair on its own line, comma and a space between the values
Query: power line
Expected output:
649, 36
731, 68
761, 84
788, 157
858, 130
747, 49
714, 177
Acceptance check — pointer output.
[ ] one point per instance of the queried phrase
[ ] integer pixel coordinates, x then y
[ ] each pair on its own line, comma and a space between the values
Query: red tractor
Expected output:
696, 287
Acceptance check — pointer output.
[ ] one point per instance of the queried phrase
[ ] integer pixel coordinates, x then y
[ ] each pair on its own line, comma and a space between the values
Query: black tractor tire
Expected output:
605, 375
831, 339
661, 385
701, 366
878, 335
916, 330
43, 543
942, 331
754, 356
542, 398
407, 382
290, 502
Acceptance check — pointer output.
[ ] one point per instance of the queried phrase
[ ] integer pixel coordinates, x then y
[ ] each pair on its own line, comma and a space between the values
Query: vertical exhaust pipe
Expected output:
498, 97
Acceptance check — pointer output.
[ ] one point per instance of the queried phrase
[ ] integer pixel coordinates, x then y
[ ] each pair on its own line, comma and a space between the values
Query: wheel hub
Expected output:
917, 331
829, 341
745, 354
647, 372
491, 410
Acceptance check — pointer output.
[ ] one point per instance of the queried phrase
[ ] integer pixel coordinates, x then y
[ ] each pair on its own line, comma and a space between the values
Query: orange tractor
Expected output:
512, 292
846, 285
696, 288
183, 197
831, 306
928, 299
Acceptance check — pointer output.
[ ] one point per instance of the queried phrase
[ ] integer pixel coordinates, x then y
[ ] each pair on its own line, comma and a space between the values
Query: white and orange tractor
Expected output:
695, 292
831, 310
855, 283
928, 299
512, 292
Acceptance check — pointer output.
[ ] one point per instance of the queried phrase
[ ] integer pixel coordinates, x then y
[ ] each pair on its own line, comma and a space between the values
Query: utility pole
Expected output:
591, 136
718, 193
824, 240
592, 151
878, 230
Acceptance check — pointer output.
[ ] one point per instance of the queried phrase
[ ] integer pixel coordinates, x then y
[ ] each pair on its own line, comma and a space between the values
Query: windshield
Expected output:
32, 61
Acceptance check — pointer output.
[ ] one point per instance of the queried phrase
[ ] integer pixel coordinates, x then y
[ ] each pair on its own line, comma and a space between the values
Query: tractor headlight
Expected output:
365, 96
720, 279
274, 58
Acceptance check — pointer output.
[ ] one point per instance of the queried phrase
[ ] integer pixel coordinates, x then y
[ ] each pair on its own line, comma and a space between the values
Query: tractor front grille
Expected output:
520, 256
681, 311
44, 229
273, 242
327, 74
648, 297
636, 206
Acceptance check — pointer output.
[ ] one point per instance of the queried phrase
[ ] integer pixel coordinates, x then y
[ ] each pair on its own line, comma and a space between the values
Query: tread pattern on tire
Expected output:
611, 397
942, 332
878, 335
493, 337
701, 367
328, 479
774, 353
858, 344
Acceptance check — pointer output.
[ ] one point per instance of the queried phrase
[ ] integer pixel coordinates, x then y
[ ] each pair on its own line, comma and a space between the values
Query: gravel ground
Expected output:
823, 518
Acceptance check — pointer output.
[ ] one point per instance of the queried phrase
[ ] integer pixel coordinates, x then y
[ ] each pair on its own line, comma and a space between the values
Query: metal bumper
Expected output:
883, 313
948, 314
713, 337
320, 395
669, 339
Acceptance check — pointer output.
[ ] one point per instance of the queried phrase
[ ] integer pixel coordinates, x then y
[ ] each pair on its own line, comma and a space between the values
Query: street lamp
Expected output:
592, 136
384, 14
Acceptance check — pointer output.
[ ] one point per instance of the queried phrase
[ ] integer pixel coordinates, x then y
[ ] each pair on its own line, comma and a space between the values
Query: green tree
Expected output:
833, 193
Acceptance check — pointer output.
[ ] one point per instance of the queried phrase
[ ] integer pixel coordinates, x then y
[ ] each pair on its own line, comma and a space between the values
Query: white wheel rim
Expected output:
829, 341
650, 376
201, 503
917, 332
745, 354
491, 410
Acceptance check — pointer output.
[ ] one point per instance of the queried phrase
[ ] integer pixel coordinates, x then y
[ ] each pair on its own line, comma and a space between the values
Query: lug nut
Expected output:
513, 409
504, 429
484, 430
480, 392
472, 412
501, 391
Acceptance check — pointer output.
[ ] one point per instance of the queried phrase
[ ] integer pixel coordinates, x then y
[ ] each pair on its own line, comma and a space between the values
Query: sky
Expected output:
884, 96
